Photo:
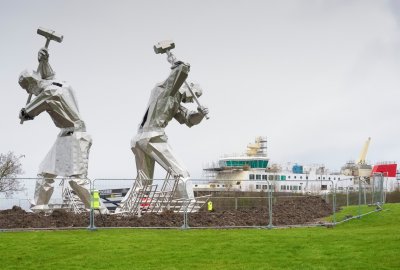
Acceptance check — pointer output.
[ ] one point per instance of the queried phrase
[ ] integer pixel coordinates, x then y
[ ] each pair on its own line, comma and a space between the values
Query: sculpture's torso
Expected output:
59, 101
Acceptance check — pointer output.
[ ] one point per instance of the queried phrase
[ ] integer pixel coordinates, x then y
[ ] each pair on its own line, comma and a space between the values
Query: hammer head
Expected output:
49, 34
164, 46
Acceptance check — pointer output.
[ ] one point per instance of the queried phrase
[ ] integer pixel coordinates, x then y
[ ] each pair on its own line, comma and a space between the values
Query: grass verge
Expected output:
371, 242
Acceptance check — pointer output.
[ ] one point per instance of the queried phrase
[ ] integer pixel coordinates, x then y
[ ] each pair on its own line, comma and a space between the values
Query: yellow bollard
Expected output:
209, 206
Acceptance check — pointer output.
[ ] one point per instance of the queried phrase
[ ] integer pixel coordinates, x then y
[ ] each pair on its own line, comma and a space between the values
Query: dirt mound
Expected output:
18, 218
286, 211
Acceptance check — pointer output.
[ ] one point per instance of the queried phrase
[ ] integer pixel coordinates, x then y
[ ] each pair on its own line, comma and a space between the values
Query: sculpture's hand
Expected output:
178, 63
24, 116
44, 67
203, 110
43, 55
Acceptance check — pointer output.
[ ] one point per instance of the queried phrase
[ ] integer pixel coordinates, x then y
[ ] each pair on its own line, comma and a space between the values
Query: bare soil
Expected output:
286, 211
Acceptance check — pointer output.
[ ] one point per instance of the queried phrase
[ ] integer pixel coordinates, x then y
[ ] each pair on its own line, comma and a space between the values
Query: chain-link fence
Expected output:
216, 204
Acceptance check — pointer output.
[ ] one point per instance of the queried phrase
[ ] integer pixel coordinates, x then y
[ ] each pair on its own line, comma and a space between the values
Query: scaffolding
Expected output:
147, 197
70, 200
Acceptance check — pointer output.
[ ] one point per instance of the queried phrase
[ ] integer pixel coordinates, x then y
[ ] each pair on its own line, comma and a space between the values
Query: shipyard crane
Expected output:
364, 170
359, 168
363, 154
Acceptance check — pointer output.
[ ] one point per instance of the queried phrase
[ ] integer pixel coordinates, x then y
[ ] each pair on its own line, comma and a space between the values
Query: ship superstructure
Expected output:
252, 171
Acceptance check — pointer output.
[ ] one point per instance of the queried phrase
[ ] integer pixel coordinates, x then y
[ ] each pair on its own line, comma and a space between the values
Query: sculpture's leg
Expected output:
43, 190
145, 172
159, 150
163, 154
144, 163
184, 189
81, 186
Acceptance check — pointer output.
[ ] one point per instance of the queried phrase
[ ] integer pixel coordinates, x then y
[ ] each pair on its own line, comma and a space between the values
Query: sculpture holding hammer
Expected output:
165, 47
44, 69
69, 155
150, 145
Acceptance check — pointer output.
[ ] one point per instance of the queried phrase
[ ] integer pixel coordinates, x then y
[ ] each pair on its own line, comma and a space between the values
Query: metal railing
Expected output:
153, 205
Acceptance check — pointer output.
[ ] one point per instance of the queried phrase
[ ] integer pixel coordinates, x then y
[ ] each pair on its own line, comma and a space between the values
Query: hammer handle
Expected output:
47, 43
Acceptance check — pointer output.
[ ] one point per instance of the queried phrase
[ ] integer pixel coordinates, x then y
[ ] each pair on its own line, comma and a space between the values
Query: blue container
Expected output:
297, 169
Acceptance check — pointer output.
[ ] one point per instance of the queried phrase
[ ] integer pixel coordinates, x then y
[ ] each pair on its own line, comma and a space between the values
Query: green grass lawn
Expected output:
372, 242
351, 212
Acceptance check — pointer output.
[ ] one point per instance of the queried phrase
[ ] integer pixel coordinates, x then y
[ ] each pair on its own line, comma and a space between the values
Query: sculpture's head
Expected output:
187, 96
31, 82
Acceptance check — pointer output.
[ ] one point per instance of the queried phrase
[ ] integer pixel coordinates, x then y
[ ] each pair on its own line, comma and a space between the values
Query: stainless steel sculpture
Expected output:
44, 68
70, 153
150, 145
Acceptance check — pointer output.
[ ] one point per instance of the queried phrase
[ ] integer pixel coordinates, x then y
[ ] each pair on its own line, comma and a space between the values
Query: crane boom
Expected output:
364, 150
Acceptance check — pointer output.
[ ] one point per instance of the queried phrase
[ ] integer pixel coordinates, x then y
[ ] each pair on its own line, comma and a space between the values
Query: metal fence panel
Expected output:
16, 211
221, 205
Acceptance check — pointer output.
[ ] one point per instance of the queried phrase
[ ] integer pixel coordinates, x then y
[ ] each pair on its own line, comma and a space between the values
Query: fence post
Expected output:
270, 205
334, 205
381, 189
333, 201
372, 181
236, 202
185, 218
365, 195
359, 197
91, 227
186, 206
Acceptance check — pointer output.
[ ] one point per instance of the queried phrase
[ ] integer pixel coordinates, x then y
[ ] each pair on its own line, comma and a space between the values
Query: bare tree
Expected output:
10, 168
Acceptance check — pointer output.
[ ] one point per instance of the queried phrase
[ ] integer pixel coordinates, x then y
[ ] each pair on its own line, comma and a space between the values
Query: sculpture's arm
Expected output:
36, 106
176, 78
44, 66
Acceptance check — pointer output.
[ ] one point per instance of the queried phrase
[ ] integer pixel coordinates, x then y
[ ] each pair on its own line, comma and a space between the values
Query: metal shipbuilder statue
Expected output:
150, 145
70, 153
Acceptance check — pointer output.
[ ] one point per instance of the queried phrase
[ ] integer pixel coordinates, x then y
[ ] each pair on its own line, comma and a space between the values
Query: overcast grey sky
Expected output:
316, 77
